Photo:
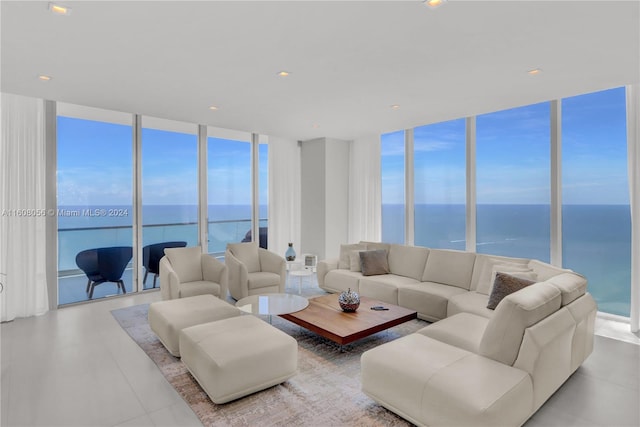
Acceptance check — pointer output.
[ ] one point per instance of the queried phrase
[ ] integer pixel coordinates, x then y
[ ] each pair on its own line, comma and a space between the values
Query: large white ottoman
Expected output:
168, 318
234, 357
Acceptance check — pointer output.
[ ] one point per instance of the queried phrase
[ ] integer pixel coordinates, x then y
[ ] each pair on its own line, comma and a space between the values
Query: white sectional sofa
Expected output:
473, 366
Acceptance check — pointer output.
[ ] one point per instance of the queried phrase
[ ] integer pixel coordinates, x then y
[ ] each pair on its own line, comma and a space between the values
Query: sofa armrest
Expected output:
324, 267
273, 263
169, 282
237, 276
215, 271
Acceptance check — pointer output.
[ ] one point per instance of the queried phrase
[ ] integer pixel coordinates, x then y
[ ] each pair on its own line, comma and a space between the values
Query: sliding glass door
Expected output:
169, 191
94, 203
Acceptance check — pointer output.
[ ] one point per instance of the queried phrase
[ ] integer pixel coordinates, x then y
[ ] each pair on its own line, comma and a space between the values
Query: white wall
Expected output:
325, 196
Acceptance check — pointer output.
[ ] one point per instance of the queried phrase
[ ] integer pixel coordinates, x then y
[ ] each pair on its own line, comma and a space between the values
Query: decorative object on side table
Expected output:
349, 301
290, 255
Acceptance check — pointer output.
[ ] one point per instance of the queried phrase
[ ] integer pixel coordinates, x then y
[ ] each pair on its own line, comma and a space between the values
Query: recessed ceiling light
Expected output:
534, 71
395, 107
44, 77
213, 108
283, 73
433, 3
59, 9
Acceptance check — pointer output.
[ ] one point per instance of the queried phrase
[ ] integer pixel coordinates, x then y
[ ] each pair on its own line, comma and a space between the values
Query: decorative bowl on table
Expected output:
349, 301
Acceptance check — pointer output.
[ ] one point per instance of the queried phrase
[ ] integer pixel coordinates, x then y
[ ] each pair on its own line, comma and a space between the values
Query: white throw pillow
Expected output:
520, 274
488, 275
354, 261
345, 255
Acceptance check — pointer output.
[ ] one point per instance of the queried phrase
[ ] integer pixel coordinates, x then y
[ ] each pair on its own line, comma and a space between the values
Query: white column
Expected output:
470, 233
255, 187
556, 183
409, 209
137, 202
203, 196
51, 201
633, 158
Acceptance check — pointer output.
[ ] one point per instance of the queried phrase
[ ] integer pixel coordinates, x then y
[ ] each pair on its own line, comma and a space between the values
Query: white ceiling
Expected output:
349, 61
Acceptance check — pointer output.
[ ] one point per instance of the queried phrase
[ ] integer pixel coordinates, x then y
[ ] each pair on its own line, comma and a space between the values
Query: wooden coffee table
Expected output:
325, 317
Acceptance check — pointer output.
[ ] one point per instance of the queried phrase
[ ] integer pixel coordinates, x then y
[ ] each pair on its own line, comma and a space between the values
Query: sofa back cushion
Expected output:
515, 313
376, 245
571, 285
186, 262
490, 266
344, 262
544, 270
407, 261
247, 253
449, 267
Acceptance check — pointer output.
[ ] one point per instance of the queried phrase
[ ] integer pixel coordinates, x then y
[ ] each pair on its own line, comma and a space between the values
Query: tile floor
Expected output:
77, 367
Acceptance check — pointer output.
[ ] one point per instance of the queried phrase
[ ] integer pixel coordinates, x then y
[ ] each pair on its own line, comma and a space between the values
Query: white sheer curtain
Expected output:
365, 197
22, 224
284, 195
633, 154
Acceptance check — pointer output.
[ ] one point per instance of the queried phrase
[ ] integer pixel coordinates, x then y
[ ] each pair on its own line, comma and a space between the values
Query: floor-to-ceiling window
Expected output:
596, 225
440, 188
229, 190
513, 186
169, 190
393, 186
94, 185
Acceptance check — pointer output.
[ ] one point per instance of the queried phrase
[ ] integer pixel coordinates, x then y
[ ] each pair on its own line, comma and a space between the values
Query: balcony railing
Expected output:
73, 240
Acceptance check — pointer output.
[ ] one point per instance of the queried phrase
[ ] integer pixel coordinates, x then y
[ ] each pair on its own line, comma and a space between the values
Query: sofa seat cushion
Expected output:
449, 267
341, 280
439, 384
469, 302
428, 299
463, 330
384, 287
262, 279
200, 287
408, 261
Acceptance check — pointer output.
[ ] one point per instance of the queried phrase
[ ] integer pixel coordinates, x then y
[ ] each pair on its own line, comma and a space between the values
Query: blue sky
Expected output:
512, 155
95, 160
95, 166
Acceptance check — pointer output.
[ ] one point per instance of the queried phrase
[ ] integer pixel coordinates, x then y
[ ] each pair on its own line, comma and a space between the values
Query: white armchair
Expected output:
186, 272
253, 270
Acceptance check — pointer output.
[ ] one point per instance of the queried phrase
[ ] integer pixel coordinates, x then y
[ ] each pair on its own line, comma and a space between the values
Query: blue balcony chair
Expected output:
104, 265
262, 236
151, 255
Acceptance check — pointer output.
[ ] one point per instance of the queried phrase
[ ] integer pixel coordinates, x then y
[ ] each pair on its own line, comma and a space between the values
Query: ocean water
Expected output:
596, 239
82, 227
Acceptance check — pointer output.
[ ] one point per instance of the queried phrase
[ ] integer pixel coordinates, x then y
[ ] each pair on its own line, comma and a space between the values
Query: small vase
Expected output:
290, 255
349, 301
